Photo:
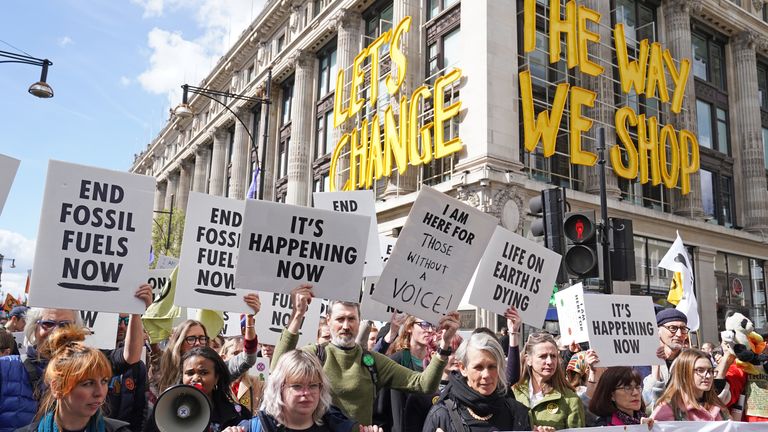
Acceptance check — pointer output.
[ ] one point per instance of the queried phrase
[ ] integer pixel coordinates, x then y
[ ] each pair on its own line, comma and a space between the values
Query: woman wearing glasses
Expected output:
617, 400
551, 401
690, 395
298, 398
23, 384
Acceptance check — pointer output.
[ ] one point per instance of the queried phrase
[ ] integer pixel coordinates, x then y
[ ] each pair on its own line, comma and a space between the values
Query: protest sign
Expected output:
231, 324
362, 202
157, 280
260, 370
209, 254
8, 168
436, 254
103, 327
371, 309
680, 426
622, 329
166, 262
285, 245
517, 272
275, 314
95, 229
571, 315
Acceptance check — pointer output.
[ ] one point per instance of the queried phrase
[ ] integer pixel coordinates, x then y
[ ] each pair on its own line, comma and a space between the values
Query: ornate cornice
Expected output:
301, 58
758, 4
687, 6
749, 39
345, 18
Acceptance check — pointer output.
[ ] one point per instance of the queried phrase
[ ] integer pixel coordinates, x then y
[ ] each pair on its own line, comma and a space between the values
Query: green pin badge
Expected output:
368, 360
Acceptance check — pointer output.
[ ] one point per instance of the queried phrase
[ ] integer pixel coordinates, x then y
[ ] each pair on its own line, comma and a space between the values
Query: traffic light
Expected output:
551, 206
580, 233
622, 250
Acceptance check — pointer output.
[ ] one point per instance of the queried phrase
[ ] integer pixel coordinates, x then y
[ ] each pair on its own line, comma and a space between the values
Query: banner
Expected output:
362, 202
371, 309
436, 254
275, 314
680, 426
95, 229
571, 315
209, 255
622, 329
515, 271
166, 262
103, 327
8, 168
286, 245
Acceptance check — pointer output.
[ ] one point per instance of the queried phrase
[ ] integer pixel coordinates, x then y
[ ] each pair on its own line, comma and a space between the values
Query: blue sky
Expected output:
117, 69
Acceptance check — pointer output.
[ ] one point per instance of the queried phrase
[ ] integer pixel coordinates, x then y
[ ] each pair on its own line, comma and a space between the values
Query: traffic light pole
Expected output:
604, 228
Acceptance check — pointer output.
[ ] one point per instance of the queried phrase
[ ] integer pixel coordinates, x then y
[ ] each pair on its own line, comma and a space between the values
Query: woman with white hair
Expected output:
297, 397
478, 397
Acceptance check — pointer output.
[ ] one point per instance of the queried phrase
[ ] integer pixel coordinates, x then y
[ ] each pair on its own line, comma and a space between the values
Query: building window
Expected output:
324, 134
717, 197
708, 58
286, 101
280, 43
230, 150
435, 7
327, 71
740, 284
762, 83
282, 157
765, 146
712, 127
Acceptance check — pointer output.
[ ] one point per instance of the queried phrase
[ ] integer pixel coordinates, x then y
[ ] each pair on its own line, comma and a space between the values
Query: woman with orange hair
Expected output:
77, 377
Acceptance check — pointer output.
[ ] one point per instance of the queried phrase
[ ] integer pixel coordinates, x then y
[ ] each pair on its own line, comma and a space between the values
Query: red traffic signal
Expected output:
580, 257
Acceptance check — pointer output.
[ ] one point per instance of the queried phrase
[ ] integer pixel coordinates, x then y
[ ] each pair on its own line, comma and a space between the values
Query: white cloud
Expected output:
125, 81
15, 246
65, 40
152, 8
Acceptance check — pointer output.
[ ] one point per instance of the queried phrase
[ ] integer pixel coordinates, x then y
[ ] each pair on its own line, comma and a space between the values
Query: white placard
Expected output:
515, 271
435, 256
103, 327
157, 280
571, 315
275, 314
362, 202
166, 262
8, 168
285, 245
371, 309
231, 324
622, 329
95, 229
209, 254
260, 370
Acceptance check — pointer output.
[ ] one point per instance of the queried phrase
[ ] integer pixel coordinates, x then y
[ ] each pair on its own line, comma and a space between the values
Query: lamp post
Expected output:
169, 212
184, 110
41, 88
13, 265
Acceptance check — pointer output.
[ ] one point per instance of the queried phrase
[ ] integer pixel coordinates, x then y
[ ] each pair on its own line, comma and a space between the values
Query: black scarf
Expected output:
458, 390
627, 419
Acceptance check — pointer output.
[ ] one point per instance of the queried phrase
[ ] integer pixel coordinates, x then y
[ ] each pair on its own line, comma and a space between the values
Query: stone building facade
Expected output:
723, 220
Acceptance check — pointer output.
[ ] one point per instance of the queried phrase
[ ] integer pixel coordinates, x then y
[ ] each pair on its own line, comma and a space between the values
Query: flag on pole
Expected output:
675, 289
254, 186
676, 260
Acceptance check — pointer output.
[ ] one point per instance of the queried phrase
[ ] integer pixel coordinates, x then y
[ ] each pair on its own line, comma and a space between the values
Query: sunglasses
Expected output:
123, 320
49, 324
425, 325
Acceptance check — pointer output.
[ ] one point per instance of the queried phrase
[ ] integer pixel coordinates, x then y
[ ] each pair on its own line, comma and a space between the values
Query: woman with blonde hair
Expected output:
543, 388
77, 377
690, 394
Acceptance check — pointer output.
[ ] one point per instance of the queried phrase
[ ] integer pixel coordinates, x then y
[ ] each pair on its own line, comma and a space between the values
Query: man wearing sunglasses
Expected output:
22, 383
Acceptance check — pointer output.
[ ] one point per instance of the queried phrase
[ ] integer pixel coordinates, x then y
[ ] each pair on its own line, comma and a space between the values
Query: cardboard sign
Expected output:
435, 257
8, 168
166, 262
95, 229
260, 370
362, 202
103, 327
157, 280
275, 314
371, 309
209, 255
232, 324
285, 245
515, 271
571, 315
622, 329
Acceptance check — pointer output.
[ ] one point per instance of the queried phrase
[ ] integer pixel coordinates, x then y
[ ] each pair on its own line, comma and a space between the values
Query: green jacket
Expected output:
351, 384
561, 411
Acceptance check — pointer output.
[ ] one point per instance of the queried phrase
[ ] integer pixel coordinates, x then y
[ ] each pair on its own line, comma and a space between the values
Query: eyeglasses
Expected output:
630, 388
300, 388
703, 372
49, 324
425, 325
203, 340
123, 320
674, 329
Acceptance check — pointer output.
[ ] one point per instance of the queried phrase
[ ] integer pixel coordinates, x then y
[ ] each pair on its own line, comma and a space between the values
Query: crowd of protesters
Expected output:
410, 375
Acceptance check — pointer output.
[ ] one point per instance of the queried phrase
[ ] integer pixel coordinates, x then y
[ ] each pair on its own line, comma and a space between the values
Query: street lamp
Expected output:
184, 111
41, 88
13, 265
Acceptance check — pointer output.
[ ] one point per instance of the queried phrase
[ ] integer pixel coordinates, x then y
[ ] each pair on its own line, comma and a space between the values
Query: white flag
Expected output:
677, 260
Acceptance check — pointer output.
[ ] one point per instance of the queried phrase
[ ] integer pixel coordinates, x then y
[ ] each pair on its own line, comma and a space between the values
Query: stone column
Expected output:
349, 40
218, 162
171, 190
160, 195
748, 148
185, 183
678, 40
241, 155
273, 140
300, 149
706, 293
202, 160
605, 106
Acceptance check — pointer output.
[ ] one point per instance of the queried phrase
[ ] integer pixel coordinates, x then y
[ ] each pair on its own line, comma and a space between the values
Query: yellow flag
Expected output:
159, 316
676, 289
212, 320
